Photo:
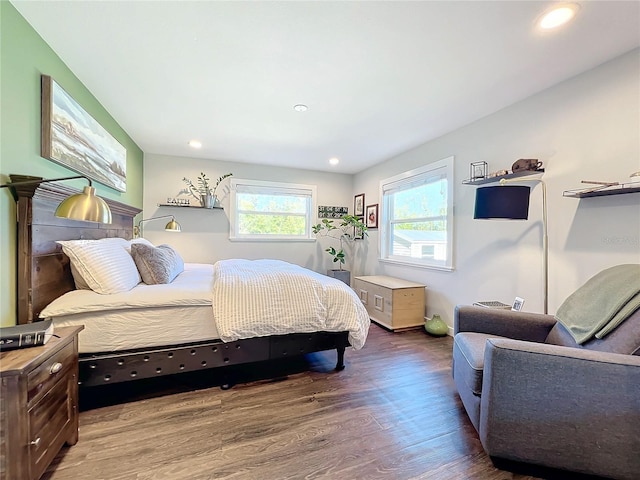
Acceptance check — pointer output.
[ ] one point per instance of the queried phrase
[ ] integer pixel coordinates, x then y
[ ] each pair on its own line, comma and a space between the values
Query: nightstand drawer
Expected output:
43, 377
49, 423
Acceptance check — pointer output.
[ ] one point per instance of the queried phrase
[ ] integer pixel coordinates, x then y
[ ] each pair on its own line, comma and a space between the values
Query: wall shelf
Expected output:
632, 187
188, 206
482, 181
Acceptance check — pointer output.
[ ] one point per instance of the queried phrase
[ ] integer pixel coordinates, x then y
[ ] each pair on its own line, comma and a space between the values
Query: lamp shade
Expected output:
85, 206
173, 226
505, 202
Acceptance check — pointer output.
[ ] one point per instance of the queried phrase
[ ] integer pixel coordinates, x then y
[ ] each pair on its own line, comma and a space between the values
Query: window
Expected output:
417, 216
267, 211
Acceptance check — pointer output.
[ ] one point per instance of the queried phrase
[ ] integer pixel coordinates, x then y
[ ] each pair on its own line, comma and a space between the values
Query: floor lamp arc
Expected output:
512, 203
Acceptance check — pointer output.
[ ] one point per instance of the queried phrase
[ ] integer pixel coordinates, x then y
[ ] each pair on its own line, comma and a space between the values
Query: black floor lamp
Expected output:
512, 203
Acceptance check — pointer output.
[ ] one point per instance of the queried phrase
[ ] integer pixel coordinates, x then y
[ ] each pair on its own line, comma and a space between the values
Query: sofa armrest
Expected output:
561, 407
532, 327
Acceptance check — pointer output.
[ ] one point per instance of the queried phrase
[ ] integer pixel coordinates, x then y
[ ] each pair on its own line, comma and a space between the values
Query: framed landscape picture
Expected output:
74, 139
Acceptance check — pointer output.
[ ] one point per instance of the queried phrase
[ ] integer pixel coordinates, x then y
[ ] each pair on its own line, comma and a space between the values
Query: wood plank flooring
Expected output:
393, 413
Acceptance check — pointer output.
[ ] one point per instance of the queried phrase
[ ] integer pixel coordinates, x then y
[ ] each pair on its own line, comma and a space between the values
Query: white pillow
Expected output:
105, 265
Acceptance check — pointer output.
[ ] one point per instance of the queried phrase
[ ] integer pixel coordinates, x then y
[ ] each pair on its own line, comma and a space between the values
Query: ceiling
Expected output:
379, 78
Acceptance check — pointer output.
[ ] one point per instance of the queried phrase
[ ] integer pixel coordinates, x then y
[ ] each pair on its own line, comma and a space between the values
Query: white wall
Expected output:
205, 233
586, 128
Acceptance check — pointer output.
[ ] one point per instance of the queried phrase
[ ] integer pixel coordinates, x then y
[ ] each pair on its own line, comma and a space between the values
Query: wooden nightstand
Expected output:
39, 410
392, 302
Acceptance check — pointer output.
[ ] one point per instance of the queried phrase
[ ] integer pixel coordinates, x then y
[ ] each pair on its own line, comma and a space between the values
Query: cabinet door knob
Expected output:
36, 442
55, 368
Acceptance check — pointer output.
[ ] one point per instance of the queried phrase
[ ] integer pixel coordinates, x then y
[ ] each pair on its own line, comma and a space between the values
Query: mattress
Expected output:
145, 316
126, 329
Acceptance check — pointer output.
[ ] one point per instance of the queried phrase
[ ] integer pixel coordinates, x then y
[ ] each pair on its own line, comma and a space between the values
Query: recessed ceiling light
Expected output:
557, 16
195, 144
300, 108
334, 161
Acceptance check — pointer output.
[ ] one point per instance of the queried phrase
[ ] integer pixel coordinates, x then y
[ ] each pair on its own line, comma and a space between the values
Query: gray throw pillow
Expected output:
156, 265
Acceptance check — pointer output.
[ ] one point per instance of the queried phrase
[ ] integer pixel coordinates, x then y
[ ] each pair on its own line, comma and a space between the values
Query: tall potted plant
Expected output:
346, 232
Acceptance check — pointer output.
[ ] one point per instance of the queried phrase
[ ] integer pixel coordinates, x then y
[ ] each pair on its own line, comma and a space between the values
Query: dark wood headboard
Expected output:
43, 270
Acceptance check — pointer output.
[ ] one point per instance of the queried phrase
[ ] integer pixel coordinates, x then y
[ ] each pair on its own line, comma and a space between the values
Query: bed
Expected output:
123, 344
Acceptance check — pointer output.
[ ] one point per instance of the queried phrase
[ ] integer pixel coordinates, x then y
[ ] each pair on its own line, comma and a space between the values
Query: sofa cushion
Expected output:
468, 358
625, 338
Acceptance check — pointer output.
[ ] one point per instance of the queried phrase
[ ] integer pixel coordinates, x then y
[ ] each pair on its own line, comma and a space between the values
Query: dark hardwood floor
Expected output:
393, 413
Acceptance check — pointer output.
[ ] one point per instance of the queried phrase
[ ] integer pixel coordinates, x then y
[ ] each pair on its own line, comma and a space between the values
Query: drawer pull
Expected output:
36, 442
55, 368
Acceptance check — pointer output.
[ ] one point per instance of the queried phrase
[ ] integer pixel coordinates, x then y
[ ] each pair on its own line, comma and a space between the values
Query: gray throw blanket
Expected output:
602, 303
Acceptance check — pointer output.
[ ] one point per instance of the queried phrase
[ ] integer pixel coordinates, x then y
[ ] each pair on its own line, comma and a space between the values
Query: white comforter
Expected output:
255, 298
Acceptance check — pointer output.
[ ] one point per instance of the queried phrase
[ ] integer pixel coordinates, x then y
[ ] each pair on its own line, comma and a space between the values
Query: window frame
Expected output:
267, 188
404, 181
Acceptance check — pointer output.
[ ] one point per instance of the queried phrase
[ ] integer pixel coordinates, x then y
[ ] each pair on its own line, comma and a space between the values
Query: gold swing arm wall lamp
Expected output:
85, 206
171, 226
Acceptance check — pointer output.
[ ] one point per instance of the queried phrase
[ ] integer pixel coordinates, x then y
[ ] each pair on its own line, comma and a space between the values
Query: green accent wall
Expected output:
24, 57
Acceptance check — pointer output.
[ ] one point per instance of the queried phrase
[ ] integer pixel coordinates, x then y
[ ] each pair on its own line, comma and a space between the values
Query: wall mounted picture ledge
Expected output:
74, 139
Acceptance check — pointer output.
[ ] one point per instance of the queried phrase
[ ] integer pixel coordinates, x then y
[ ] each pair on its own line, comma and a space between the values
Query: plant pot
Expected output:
342, 275
207, 201
436, 326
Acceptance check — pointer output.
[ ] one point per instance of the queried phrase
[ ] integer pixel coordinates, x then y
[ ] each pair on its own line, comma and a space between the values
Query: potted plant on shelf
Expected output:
203, 192
349, 229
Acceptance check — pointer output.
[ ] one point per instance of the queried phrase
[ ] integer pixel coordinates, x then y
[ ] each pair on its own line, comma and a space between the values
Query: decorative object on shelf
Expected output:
349, 229
179, 202
171, 226
436, 326
512, 203
478, 170
498, 173
73, 138
372, 216
332, 212
358, 205
85, 206
526, 164
203, 192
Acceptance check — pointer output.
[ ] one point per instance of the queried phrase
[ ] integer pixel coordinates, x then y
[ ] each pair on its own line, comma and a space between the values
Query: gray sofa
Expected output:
535, 396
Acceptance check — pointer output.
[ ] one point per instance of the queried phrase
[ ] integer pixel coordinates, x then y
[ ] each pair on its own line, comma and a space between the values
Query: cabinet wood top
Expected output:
18, 361
389, 282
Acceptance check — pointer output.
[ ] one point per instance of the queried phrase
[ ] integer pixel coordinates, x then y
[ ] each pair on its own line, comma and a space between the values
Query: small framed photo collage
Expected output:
366, 214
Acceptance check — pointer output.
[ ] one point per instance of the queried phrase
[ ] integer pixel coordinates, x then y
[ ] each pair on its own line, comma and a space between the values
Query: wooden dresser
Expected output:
39, 410
392, 302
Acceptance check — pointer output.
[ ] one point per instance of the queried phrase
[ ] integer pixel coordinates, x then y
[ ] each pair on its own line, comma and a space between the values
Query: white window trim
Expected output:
308, 237
445, 165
